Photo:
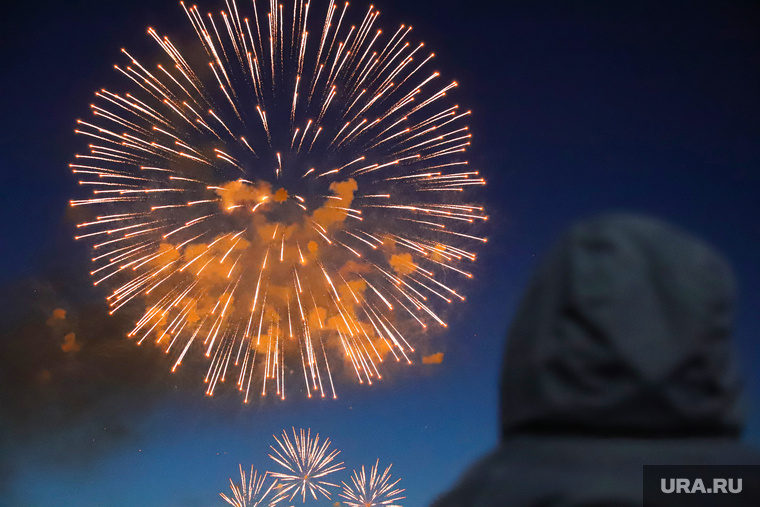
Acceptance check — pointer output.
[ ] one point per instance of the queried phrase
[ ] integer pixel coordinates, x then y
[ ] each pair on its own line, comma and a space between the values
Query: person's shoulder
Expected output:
498, 478
526, 470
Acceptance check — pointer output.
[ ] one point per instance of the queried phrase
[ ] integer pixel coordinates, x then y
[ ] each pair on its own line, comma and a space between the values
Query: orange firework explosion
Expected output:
275, 197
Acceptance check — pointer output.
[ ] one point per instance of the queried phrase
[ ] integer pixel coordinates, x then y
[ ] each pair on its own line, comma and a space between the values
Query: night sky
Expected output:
578, 108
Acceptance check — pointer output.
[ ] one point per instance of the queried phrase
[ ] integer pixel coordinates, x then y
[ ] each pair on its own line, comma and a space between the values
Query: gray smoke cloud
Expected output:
68, 375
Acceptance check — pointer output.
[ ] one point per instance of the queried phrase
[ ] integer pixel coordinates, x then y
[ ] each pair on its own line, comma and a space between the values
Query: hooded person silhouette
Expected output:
619, 355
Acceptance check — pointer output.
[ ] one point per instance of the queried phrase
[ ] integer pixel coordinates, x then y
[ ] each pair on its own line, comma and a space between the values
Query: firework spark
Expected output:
307, 464
251, 492
288, 192
376, 492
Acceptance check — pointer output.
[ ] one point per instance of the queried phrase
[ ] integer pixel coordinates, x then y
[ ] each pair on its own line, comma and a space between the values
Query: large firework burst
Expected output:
375, 491
289, 190
307, 463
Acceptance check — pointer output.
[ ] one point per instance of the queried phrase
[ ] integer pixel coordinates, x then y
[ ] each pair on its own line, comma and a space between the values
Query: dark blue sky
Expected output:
578, 107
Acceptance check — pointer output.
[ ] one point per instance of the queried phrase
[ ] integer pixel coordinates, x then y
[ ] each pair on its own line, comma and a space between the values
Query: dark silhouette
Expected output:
620, 355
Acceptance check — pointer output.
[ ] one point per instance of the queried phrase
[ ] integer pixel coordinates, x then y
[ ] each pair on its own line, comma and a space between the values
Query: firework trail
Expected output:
286, 193
376, 492
251, 492
307, 464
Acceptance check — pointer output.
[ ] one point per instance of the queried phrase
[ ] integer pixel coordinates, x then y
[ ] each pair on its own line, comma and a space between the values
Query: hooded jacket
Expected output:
619, 355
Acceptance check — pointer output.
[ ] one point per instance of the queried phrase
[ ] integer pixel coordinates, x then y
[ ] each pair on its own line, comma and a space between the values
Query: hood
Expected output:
625, 330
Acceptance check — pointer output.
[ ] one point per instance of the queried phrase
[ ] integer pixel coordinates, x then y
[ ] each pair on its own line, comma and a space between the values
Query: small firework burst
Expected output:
252, 491
307, 463
375, 491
